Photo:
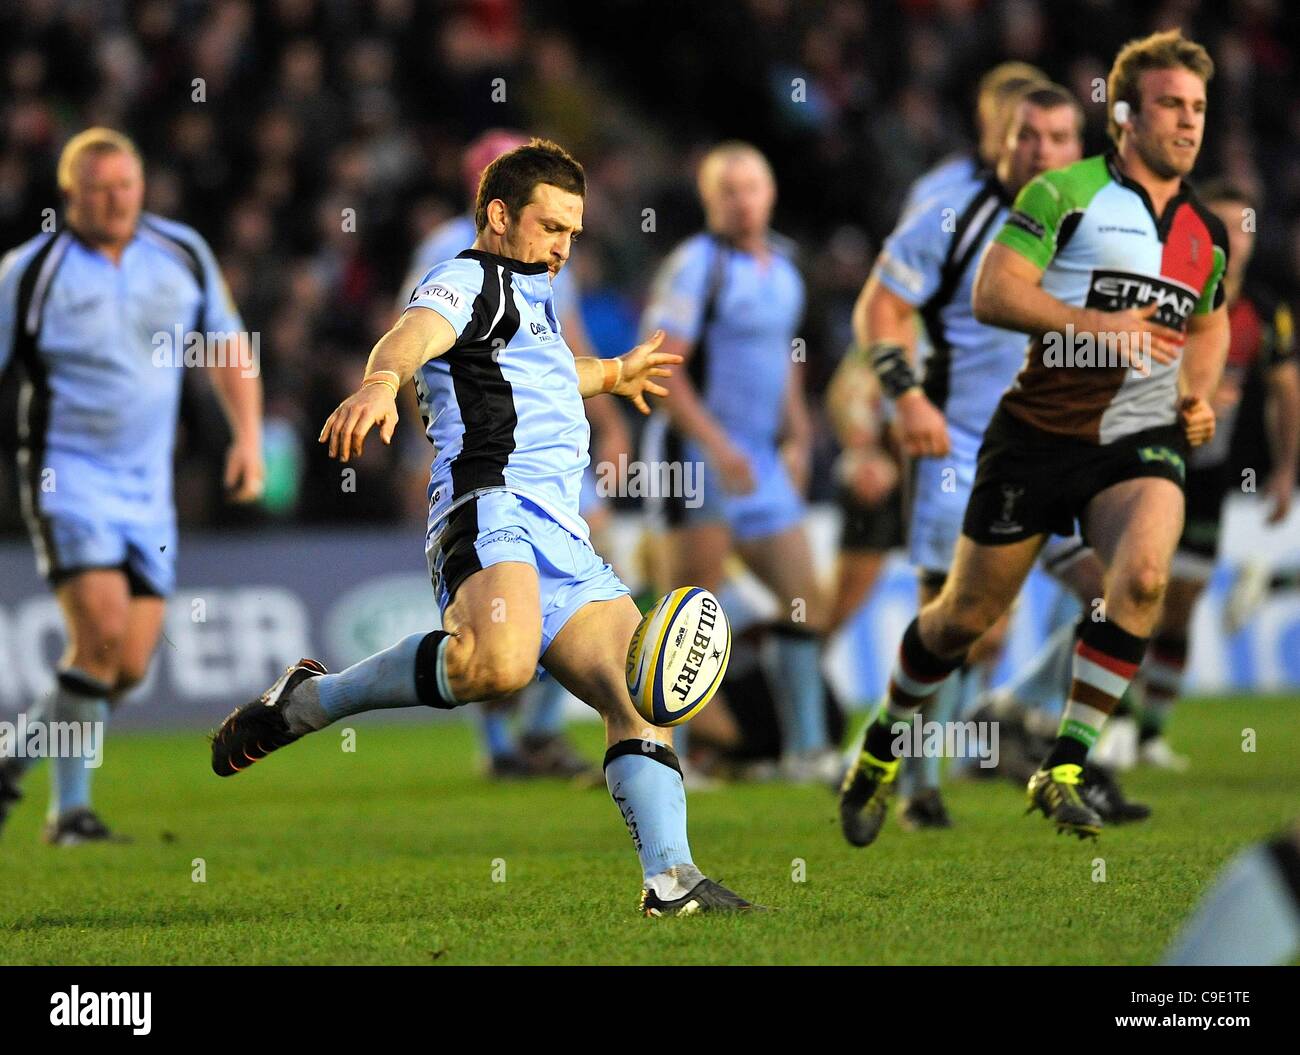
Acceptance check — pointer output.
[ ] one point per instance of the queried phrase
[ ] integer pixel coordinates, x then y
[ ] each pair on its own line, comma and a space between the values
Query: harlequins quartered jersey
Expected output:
1093, 231
502, 407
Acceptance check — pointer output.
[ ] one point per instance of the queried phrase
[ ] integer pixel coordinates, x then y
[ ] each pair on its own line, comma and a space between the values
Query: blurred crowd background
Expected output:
261, 123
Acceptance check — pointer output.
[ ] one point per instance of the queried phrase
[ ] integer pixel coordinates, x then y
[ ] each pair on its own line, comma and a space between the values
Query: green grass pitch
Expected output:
400, 853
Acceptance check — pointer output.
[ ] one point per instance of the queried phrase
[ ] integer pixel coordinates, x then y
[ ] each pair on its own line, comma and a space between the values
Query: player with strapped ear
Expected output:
942, 407
1113, 252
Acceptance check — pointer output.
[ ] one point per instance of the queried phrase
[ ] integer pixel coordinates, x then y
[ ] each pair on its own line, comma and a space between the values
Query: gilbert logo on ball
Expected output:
678, 656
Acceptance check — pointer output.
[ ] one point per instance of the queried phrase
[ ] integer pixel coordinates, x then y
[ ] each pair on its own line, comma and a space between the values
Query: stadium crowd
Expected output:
314, 142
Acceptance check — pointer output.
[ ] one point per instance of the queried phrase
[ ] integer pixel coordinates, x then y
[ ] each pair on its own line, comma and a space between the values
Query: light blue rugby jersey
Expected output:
930, 261
448, 239
87, 331
951, 174
742, 316
502, 407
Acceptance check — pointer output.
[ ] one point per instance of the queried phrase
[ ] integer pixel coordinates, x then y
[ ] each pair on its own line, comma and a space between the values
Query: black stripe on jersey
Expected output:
674, 451
34, 398
674, 506
967, 237
189, 257
696, 365
484, 396
1069, 224
24, 336
510, 264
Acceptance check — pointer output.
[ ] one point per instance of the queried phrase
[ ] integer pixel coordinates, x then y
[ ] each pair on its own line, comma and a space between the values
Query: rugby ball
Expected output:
678, 656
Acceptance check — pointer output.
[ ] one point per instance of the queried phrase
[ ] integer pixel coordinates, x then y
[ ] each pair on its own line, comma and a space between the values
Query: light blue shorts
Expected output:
941, 487
501, 526
589, 498
83, 515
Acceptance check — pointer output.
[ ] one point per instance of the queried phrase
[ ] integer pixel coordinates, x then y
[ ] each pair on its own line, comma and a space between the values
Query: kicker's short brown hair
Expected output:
515, 174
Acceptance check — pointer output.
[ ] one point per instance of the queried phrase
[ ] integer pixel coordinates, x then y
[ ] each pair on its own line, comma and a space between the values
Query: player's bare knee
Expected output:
496, 671
99, 653
1144, 584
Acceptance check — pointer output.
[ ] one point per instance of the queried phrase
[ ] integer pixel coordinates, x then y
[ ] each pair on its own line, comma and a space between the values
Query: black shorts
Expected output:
1030, 482
871, 528
1206, 490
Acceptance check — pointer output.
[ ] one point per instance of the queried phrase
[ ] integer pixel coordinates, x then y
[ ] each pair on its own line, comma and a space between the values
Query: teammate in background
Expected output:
927, 267
1262, 333
998, 88
870, 500
516, 577
542, 748
730, 300
1095, 428
871, 505
83, 312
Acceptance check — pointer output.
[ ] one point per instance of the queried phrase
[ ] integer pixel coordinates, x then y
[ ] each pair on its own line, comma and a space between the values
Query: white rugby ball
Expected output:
678, 656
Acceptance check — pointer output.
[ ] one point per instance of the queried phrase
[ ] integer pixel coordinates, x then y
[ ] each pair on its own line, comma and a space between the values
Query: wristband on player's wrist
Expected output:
893, 369
383, 377
613, 373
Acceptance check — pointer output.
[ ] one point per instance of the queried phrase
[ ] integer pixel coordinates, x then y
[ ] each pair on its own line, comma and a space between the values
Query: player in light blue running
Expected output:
731, 299
998, 88
100, 315
541, 749
927, 269
516, 577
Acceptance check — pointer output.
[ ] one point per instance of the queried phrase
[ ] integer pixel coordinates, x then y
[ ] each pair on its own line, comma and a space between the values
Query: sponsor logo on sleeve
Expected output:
1027, 224
438, 292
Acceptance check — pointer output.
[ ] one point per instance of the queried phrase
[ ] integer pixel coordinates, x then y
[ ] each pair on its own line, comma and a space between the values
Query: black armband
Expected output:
889, 361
